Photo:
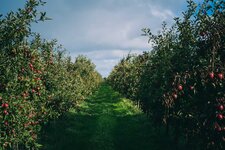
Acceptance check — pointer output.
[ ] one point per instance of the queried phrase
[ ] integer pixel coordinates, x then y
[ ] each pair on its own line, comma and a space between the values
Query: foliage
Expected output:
180, 83
38, 82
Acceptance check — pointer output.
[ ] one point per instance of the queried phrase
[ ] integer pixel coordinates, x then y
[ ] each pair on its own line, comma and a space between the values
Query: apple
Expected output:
5, 112
33, 90
211, 75
180, 87
220, 116
31, 66
220, 75
5, 105
175, 96
221, 107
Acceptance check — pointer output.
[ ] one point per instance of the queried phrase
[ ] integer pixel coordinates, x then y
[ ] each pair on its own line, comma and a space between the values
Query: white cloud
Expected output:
104, 30
163, 15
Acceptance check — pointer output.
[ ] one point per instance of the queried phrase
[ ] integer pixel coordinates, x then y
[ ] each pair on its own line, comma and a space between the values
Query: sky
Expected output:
103, 30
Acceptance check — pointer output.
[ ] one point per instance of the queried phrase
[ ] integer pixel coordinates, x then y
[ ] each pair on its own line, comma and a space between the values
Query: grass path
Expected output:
105, 121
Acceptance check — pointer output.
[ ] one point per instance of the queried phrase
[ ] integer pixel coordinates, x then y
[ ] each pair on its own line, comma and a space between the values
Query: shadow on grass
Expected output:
105, 121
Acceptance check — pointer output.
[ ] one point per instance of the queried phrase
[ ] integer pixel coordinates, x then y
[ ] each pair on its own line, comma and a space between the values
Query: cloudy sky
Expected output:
103, 30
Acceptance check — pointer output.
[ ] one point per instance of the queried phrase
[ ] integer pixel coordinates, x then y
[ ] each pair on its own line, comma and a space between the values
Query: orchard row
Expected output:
38, 81
180, 83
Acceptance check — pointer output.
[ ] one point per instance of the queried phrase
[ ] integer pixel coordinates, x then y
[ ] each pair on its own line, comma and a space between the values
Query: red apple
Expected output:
175, 96
211, 75
180, 87
33, 90
5, 112
221, 107
31, 66
220, 75
220, 116
5, 105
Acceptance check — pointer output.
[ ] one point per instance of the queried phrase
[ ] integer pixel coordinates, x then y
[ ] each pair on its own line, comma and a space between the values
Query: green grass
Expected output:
105, 121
